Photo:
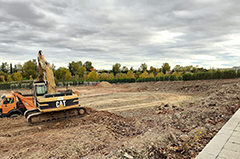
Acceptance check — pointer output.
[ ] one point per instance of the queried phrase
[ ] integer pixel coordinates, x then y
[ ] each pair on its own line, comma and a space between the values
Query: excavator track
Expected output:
40, 117
31, 111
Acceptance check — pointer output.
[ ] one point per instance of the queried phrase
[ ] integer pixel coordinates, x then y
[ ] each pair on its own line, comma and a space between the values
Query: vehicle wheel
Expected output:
81, 111
14, 115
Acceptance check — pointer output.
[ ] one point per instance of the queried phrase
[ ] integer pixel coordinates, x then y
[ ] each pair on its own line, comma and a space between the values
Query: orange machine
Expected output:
15, 104
46, 103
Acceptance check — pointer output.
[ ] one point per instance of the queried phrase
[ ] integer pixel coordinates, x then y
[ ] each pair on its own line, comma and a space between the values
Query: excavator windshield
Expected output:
41, 90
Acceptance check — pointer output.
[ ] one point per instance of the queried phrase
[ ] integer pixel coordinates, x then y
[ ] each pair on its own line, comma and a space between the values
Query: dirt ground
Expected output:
134, 120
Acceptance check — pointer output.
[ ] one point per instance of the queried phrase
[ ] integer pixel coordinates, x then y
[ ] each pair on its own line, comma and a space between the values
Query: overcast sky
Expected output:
130, 32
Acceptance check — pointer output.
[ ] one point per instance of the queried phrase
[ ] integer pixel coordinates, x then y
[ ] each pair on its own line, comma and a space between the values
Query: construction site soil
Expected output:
133, 120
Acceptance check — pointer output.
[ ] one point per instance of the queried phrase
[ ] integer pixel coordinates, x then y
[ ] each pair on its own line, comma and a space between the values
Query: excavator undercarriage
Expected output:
34, 117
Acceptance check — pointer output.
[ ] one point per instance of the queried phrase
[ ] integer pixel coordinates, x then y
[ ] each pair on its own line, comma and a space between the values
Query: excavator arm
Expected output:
46, 73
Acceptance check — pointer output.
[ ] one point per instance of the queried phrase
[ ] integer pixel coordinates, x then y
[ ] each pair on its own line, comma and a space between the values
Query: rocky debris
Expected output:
193, 87
129, 153
206, 115
172, 138
184, 138
117, 125
167, 109
100, 134
126, 155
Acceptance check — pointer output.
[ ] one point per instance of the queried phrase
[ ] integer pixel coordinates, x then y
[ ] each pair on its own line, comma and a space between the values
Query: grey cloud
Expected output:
25, 12
21, 11
121, 31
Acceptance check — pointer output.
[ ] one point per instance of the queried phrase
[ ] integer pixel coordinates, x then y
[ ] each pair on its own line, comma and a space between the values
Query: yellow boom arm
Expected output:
45, 70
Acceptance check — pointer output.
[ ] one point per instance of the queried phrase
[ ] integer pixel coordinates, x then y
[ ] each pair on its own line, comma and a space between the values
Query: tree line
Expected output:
79, 71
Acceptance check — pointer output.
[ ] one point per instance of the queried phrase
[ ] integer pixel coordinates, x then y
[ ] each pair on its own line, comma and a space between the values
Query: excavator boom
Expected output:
45, 70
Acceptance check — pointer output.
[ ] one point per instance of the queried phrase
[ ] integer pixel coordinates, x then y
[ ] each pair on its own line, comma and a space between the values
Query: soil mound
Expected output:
104, 84
119, 126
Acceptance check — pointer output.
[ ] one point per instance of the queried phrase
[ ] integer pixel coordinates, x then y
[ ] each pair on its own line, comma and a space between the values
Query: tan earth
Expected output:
104, 84
133, 120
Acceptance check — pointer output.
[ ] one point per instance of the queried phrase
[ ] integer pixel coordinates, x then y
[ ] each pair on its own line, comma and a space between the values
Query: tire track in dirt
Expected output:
170, 98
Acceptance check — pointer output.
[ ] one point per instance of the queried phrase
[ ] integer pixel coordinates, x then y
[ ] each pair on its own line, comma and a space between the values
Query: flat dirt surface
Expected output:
133, 120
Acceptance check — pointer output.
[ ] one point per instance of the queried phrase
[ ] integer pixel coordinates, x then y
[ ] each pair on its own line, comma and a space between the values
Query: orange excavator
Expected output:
46, 103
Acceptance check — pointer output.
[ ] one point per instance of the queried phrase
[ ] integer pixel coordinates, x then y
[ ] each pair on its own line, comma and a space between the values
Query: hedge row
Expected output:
162, 78
227, 74
6, 86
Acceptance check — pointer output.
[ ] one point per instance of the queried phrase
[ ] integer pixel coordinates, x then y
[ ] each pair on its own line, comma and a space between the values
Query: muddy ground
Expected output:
136, 120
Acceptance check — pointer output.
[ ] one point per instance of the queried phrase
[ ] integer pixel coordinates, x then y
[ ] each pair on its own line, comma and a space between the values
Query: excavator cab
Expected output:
40, 88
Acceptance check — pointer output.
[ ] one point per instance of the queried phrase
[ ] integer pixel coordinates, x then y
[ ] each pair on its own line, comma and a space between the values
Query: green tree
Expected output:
194, 69
9, 78
11, 69
30, 68
130, 74
178, 68
88, 66
143, 67
3, 76
188, 68
131, 69
110, 76
137, 74
17, 76
116, 68
80, 71
124, 69
74, 66
144, 75
68, 75
160, 74
30, 78
53, 67
238, 73
103, 71
165, 67
5, 67
151, 75
177, 74
61, 72
14, 69
104, 76
202, 69
93, 76
120, 76
153, 70
19, 68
